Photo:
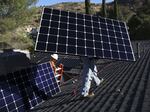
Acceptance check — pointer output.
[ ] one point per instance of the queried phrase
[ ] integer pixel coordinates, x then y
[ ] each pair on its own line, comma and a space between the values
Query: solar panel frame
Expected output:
90, 30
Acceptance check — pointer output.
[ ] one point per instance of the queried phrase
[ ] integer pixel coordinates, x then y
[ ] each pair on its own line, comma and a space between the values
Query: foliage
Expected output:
103, 12
139, 24
17, 39
16, 11
13, 15
112, 11
11, 8
7, 24
134, 24
87, 6
139, 28
116, 10
16, 14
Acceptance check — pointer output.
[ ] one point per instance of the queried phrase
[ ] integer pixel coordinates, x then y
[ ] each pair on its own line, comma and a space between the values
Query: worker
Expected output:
58, 71
89, 73
53, 60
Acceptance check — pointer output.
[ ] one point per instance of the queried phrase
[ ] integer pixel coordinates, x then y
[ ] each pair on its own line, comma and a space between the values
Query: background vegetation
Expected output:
16, 16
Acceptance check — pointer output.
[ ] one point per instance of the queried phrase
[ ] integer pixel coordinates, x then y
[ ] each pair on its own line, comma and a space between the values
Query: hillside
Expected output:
77, 7
19, 37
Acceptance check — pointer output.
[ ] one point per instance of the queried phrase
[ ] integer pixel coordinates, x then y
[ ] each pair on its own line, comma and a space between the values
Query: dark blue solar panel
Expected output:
22, 90
81, 34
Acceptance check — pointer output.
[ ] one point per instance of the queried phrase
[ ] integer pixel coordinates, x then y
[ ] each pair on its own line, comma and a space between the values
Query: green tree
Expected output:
116, 13
104, 13
14, 12
87, 6
11, 8
134, 25
139, 27
139, 24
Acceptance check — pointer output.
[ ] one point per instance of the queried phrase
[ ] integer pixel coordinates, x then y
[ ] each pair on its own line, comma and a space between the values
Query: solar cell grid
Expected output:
82, 34
22, 90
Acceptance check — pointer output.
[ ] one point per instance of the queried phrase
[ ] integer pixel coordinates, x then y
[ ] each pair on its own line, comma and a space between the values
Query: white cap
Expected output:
55, 56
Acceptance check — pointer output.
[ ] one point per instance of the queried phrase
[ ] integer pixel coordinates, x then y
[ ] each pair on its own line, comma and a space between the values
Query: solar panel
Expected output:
22, 90
84, 35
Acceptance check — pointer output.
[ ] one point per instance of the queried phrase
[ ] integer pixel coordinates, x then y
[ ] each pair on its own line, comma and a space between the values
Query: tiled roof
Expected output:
126, 88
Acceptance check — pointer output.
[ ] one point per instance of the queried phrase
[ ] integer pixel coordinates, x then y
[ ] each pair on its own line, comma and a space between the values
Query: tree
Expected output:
104, 13
116, 13
134, 24
139, 28
12, 7
13, 13
87, 6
